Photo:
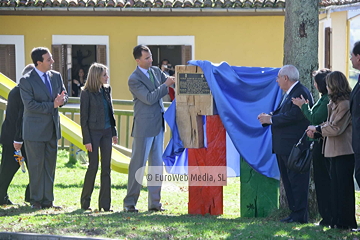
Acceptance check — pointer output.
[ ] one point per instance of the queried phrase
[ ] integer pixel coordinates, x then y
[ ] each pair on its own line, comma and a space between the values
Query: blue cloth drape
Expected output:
175, 155
240, 94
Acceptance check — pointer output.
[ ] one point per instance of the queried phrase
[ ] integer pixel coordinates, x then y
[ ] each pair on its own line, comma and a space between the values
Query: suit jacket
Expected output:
92, 112
11, 129
337, 130
40, 118
148, 104
355, 115
288, 121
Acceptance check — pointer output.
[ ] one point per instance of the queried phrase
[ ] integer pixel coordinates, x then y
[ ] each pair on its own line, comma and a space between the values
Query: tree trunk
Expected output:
301, 50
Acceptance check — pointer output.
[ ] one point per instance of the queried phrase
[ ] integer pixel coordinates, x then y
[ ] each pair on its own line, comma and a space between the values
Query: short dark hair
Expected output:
339, 86
320, 79
165, 60
356, 49
37, 53
27, 69
137, 52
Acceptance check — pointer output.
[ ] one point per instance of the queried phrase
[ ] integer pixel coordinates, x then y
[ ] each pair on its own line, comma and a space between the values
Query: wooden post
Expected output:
259, 195
193, 100
208, 199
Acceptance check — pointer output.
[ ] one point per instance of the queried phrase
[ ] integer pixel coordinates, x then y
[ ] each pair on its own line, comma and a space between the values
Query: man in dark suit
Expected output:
148, 85
42, 92
288, 124
11, 140
355, 111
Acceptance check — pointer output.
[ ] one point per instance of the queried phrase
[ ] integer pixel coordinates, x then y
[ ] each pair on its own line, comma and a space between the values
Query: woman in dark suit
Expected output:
321, 165
98, 130
337, 146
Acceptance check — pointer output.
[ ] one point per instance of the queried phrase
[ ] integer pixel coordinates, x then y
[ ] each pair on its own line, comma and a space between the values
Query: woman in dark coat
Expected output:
98, 130
321, 165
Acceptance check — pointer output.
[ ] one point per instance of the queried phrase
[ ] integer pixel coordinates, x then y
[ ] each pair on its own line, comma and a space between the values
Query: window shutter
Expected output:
328, 47
101, 54
58, 54
185, 54
7, 61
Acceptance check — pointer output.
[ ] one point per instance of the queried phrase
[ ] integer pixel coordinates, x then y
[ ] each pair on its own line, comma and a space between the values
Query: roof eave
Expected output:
111, 11
340, 8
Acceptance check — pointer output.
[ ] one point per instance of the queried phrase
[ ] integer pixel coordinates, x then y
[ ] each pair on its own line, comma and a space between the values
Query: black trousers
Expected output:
321, 167
7, 171
99, 139
342, 191
297, 189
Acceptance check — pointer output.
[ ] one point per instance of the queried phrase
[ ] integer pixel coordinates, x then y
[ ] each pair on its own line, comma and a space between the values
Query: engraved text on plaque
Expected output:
193, 83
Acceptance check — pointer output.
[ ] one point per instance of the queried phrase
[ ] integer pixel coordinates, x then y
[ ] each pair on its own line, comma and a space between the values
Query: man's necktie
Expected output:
151, 77
47, 83
283, 100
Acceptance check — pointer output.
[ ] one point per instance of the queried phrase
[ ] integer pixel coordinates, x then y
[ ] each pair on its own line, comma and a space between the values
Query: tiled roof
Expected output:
160, 3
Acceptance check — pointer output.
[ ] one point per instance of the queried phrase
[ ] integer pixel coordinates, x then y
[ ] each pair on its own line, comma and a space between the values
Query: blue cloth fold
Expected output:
175, 155
240, 95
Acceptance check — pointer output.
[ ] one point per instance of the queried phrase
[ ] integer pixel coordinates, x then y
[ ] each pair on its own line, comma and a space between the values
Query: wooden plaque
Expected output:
193, 99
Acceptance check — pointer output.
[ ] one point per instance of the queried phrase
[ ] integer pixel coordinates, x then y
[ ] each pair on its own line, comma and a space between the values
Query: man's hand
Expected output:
115, 139
17, 146
264, 118
170, 81
59, 100
88, 147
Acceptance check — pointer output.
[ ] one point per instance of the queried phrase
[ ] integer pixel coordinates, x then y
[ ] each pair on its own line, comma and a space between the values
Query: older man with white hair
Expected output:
288, 124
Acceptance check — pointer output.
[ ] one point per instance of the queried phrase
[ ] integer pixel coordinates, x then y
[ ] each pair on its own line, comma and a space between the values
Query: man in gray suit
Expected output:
148, 85
42, 92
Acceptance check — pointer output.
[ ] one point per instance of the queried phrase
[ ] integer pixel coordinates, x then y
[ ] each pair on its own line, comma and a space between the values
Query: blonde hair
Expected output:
93, 82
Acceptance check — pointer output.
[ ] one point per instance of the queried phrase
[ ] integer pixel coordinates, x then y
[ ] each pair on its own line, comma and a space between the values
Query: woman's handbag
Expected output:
300, 156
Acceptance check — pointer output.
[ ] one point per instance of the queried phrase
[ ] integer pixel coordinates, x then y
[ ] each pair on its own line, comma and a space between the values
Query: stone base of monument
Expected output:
259, 195
208, 199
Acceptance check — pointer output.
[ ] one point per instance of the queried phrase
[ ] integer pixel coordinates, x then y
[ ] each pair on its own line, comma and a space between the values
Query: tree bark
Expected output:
301, 50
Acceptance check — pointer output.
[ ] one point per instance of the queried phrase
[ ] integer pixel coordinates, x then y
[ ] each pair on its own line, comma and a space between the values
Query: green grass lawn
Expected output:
175, 223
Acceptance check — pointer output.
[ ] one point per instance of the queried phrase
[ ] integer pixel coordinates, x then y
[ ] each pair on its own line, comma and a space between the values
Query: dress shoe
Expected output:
131, 209
342, 227
157, 209
291, 220
6, 201
106, 209
285, 219
85, 204
86, 209
36, 205
325, 223
45, 206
